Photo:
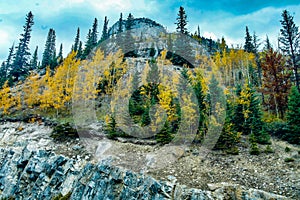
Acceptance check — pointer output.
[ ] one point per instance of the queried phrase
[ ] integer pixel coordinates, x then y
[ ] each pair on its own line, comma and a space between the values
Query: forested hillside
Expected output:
260, 82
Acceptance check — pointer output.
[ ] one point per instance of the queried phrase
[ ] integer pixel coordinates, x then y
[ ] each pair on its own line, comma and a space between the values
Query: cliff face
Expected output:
41, 174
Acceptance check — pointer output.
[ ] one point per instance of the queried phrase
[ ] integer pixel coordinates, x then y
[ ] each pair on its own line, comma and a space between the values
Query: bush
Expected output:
287, 149
289, 160
269, 149
277, 129
64, 131
232, 151
254, 149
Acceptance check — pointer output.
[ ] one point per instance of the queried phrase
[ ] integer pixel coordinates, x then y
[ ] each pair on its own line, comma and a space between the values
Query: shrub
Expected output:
269, 149
254, 149
289, 160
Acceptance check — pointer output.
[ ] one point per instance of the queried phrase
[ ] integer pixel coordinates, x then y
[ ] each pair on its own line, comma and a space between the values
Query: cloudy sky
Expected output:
216, 18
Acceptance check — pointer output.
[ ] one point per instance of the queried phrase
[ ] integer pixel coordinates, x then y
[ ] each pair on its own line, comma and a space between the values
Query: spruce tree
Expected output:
105, 29
7, 66
21, 61
268, 45
293, 117
290, 40
34, 60
60, 57
76, 41
181, 21
88, 45
49, 54
79, 52
248, 46
120, 24
94, 33
128, 41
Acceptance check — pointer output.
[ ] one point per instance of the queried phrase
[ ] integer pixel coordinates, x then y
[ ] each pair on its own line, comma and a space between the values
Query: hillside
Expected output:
172, 114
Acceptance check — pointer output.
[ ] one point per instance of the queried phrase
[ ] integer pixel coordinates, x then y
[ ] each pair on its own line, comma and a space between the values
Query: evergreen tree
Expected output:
290, 40
94, 33
34, 60
105, 29
79, 52
120, 27
76, 41
198, 32
223, 45
268, 45
128, 41
21, 60
248, 46
49, 55
88, 45
181, 21
293, 117
60, 57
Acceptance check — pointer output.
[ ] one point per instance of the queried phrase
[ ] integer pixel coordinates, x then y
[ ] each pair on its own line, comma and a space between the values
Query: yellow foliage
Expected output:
6, 98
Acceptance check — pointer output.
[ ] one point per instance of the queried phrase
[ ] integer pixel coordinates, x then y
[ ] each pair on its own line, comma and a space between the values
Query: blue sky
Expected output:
216, 18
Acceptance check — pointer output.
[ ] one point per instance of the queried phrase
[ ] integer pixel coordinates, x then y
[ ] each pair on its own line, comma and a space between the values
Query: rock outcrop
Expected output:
41, 174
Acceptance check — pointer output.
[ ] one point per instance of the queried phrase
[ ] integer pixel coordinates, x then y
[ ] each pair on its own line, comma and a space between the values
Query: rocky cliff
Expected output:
29, 169
41, 174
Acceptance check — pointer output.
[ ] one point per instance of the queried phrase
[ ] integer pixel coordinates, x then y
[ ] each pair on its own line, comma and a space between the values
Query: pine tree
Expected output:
248, 46
127, 44
223, 45
120, 27
290, 40
79, 52
49, 54
105, 29
60, 57
88, 45
9, 59
34, 60
76, 41
94, 33
293, 116
268, 45
21, 60
181, 21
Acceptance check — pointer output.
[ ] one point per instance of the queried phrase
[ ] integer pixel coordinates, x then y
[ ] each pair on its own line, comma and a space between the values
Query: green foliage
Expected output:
287, 149
269, 149
248, 42
21, 62
232, 151
254, 150
111, 130
181, 21
49, 55
289, 160
64, 131
293, 117
165, 135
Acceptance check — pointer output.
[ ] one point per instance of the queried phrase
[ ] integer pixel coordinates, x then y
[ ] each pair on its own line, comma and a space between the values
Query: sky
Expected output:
216, 18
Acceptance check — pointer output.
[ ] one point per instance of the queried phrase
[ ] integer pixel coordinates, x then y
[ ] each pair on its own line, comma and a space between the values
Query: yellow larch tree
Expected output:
6, 98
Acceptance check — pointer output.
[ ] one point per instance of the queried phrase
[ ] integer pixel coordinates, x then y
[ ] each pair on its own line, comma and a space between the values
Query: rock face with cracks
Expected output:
44, 175
32, 167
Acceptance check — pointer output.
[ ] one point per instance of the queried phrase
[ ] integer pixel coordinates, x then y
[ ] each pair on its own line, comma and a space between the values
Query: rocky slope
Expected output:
32, 167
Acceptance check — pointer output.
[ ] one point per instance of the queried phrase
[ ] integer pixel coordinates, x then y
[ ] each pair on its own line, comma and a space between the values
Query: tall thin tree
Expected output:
290, 41
21, 60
